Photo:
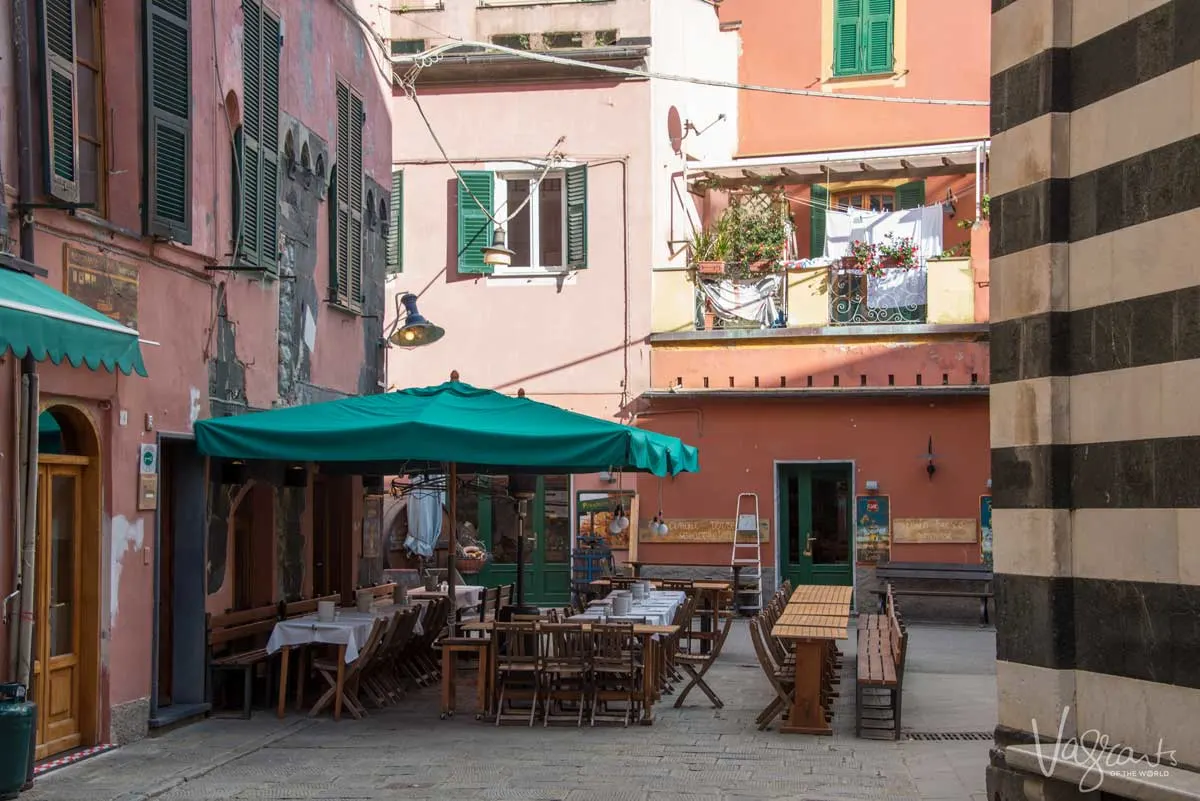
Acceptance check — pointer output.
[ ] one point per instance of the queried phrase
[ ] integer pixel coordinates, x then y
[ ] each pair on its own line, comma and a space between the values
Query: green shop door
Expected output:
816, 522
547, 559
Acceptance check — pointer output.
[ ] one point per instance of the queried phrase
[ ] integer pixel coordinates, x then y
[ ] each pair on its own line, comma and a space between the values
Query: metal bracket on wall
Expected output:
225, 268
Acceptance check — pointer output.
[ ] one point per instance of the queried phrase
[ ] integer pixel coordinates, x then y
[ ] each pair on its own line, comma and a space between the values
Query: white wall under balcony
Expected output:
688, 41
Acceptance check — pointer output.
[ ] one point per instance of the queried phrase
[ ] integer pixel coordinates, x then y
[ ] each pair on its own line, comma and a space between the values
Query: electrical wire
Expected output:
433, 54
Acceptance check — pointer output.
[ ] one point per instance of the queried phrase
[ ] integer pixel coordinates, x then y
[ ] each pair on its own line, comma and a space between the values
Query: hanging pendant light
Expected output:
498, 255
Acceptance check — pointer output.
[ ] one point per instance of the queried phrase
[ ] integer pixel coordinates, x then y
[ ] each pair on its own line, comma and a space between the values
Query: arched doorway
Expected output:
66, 654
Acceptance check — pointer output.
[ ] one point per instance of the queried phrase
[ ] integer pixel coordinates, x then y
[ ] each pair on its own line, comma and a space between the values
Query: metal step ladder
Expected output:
746, 560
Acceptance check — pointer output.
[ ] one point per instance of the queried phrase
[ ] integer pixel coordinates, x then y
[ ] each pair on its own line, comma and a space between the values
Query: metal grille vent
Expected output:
977, 736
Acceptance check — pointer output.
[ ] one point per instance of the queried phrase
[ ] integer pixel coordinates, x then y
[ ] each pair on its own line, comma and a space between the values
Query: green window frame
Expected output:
910, 195
816, 220
346, 208
257, 226
475, 188
395, 258
863, 37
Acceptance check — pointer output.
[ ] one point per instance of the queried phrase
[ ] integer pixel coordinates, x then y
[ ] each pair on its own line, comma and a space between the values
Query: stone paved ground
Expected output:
695, 753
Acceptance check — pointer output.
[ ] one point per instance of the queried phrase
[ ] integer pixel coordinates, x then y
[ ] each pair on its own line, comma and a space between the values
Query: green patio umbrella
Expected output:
450, 427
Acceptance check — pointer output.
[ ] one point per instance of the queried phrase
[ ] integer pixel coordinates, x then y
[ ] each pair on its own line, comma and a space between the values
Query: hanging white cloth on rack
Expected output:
922, 225
425, 510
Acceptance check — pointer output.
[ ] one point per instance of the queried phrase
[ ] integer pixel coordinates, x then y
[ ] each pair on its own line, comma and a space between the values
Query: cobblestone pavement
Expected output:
695, 753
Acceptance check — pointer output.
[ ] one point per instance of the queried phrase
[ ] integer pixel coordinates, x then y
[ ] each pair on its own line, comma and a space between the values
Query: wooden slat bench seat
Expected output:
882, 644
973, 581
235, 643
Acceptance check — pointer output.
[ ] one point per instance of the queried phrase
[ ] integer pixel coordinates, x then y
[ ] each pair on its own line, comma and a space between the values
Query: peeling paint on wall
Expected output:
226, 373
299, 296
127, 536
220, 499
374, 276
193, 406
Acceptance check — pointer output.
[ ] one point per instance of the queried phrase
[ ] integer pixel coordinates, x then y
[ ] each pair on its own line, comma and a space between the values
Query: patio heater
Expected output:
523, 489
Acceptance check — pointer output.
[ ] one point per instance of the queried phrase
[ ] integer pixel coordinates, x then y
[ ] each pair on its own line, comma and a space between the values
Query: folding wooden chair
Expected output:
333, 669
690, 663
781, 679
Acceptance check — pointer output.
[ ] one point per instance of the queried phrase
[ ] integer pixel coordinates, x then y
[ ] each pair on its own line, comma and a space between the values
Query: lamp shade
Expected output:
498, 255
416, 330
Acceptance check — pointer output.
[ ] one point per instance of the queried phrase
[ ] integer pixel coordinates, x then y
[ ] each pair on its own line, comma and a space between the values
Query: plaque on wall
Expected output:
699, 529
873, 523
934, 530
103, 283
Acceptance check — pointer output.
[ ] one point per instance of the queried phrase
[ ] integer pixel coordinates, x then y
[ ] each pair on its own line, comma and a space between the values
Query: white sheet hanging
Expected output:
424, 518
922, 225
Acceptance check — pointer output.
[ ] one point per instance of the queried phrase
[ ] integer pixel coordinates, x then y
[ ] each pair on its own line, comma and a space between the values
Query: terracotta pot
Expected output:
760, 266
710, 321
710, 267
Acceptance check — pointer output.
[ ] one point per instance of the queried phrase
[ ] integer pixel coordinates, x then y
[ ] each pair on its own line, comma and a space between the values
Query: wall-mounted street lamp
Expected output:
415, 330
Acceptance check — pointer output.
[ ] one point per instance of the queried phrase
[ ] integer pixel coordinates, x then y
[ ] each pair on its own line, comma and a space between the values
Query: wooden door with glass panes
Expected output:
57, 664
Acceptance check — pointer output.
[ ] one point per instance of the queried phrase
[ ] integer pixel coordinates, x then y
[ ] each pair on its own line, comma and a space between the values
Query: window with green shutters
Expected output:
57, 20
476, 193
545, 219
395, 257
257, 224
863, 37
910, 195
820, 204
346, 208
168, 207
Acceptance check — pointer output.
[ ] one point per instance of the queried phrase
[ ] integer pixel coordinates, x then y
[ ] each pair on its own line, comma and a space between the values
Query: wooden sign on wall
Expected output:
949, 530
700, 529
107, 285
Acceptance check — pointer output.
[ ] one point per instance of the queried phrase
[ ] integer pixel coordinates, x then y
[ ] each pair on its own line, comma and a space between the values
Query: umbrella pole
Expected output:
452, 544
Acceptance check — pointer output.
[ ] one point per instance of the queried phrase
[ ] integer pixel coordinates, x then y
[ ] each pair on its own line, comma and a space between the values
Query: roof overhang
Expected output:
473, 65
878, 164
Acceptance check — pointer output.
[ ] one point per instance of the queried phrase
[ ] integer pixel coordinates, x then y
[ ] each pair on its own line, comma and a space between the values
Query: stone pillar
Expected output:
1095, 309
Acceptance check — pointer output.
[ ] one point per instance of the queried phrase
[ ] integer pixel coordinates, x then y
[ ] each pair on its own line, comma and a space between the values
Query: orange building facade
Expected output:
859, 421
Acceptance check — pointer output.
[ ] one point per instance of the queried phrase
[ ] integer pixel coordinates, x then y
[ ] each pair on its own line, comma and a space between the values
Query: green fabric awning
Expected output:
38, 320
419, 430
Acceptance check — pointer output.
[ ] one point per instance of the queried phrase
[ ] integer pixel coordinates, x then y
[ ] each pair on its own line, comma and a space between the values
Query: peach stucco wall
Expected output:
740, 441
176, 294
945, 48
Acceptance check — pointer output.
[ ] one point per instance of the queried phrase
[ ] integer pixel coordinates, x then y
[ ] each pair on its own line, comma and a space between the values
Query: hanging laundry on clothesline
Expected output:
922, 225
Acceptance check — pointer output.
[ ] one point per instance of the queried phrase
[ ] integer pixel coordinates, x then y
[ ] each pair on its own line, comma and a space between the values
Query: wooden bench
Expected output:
235, 643
882, 646
918, 575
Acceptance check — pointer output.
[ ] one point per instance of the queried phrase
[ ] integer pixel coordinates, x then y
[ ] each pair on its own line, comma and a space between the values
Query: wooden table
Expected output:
815, 617
709, 593
652, 664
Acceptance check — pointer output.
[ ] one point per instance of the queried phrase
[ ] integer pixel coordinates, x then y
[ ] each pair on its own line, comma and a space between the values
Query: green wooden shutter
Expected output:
252, 167
355, 177
847, 37
878, 34
577, 218
395, 261
816, 220
269, 144
168, 125
58, 71
474, 226
339, 272
910, 195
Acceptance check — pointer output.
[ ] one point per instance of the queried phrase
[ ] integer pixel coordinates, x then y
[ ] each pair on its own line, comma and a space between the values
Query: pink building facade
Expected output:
221, 260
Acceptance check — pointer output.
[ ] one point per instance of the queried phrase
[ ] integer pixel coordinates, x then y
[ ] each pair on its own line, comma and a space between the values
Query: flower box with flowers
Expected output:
872, 259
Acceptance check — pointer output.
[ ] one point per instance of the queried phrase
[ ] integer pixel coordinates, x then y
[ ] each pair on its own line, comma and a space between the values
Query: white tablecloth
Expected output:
465, 595
658, 608
350, 628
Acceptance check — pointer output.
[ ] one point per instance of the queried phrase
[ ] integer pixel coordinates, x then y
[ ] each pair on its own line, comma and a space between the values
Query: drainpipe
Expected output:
29, 378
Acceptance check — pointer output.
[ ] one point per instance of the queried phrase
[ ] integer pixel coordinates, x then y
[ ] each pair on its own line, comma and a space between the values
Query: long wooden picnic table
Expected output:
814, 618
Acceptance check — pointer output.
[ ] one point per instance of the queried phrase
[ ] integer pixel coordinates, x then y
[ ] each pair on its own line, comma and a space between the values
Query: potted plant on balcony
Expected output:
898, 253
710, 249
757, 232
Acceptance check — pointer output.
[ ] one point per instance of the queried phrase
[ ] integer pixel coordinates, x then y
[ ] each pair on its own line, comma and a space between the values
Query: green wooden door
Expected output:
547, 553
816, 523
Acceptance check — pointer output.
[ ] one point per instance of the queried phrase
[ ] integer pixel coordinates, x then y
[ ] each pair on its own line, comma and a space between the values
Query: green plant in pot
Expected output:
757, 233
710, 249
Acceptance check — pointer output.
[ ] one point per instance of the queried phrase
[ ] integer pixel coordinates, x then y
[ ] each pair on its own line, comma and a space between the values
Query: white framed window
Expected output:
537, 232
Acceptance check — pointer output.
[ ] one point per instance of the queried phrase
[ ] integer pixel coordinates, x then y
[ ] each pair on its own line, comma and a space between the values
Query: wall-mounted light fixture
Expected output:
416, 330
930, 467
872, 486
